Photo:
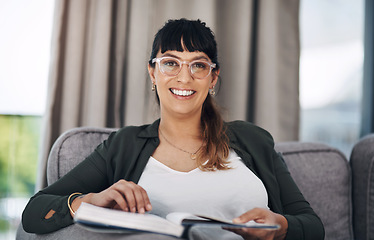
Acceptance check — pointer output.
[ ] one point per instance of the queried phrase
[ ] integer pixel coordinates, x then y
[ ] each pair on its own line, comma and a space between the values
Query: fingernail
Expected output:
236, 220
133, 209
149, 207
126, 209
141, 210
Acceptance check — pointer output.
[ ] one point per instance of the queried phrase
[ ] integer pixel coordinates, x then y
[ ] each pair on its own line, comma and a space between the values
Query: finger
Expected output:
119, 200
139, 199
108, 198
253, 214
128, 193
117, 207
126, 189
147, 202
136, 197
142, 201
139, 195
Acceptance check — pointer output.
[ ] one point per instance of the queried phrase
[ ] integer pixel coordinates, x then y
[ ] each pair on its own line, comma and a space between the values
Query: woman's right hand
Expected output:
128, 196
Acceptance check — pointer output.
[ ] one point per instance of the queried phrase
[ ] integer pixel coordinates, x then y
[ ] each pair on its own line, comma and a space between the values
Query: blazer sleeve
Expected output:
303, 222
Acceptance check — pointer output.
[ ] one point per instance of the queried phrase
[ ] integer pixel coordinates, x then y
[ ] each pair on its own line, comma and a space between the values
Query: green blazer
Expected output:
125, 154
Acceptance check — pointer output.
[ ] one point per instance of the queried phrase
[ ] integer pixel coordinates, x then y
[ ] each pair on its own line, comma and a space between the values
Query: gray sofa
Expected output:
340, 191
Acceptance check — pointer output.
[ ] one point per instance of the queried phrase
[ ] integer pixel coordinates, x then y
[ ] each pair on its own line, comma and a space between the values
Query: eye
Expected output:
200, 65
170, 63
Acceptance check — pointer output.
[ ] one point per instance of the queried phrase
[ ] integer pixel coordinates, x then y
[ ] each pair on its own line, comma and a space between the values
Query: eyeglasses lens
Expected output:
172, 67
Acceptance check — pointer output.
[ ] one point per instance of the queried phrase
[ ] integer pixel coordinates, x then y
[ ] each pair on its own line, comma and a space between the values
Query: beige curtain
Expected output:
100, 49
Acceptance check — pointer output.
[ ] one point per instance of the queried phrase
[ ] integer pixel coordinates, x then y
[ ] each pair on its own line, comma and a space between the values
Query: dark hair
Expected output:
196, 36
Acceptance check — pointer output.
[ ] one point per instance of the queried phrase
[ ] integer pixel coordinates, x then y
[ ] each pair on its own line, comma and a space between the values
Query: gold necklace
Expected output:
193, 156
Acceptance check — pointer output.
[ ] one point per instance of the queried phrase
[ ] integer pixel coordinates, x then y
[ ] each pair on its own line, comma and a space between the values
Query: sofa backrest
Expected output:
324, 177
71, 148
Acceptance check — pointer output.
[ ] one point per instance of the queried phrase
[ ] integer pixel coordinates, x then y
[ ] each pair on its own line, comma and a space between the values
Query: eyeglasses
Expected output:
172, 66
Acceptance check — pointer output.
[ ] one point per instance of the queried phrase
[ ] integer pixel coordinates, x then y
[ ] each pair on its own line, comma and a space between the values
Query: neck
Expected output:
186, 127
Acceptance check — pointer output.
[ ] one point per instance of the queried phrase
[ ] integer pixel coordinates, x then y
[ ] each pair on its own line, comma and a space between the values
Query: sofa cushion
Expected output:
323, 175
75, 232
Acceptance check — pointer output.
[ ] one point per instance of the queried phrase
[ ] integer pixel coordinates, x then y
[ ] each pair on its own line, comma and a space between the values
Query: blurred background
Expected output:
330, 91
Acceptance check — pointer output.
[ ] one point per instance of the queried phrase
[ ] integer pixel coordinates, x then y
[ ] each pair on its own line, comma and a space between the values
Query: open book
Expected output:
176, 224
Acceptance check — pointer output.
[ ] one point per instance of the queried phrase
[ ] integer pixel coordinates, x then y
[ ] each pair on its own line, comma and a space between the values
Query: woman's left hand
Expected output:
261, 215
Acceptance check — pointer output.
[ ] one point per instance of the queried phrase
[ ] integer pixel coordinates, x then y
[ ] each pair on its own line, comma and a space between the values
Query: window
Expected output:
331, 71
26, 28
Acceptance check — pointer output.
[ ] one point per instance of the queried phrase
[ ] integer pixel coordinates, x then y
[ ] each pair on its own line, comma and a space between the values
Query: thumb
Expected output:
246, 217
253, 214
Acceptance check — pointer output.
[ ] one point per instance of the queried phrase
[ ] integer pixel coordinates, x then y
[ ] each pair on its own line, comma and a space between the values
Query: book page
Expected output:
110, 218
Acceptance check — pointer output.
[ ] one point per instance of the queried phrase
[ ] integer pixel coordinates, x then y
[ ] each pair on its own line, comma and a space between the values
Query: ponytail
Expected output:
214, 135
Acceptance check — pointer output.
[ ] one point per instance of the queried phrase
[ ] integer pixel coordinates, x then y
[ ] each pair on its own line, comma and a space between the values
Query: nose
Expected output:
184, 74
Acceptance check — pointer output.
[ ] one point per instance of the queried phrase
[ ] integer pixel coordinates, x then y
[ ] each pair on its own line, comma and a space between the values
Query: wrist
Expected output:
76, 201
282, 231
70, 200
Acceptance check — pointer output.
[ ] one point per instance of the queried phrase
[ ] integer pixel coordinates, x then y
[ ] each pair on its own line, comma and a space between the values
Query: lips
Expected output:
183, 93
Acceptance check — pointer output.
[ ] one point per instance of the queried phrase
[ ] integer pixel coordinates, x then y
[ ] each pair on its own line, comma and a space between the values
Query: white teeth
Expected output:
182, 92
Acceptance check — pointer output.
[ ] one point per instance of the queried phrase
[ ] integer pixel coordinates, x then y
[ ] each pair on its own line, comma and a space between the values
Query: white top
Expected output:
222, 193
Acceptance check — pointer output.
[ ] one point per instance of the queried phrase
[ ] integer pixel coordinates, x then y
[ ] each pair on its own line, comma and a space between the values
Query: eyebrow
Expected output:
193, 59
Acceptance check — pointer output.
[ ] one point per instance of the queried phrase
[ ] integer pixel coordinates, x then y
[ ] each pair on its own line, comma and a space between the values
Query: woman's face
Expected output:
182, 95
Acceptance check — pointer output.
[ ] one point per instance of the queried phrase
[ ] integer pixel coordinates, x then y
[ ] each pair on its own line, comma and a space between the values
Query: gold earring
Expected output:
212, 92
153, 87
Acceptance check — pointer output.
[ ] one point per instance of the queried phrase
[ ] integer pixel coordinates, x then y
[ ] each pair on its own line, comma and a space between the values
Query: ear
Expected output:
215, 75
151, 72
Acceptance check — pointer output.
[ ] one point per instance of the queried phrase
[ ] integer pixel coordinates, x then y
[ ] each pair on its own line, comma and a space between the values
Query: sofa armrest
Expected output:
362, 164
323, 175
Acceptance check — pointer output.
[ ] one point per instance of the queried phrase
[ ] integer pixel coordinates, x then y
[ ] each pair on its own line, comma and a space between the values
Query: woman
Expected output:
189, 160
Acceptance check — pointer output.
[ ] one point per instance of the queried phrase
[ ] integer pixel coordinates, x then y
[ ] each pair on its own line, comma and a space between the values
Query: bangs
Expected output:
187, 38
183, 35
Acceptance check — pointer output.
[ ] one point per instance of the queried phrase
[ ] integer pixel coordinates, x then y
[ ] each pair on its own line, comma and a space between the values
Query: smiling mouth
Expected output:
183, 93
